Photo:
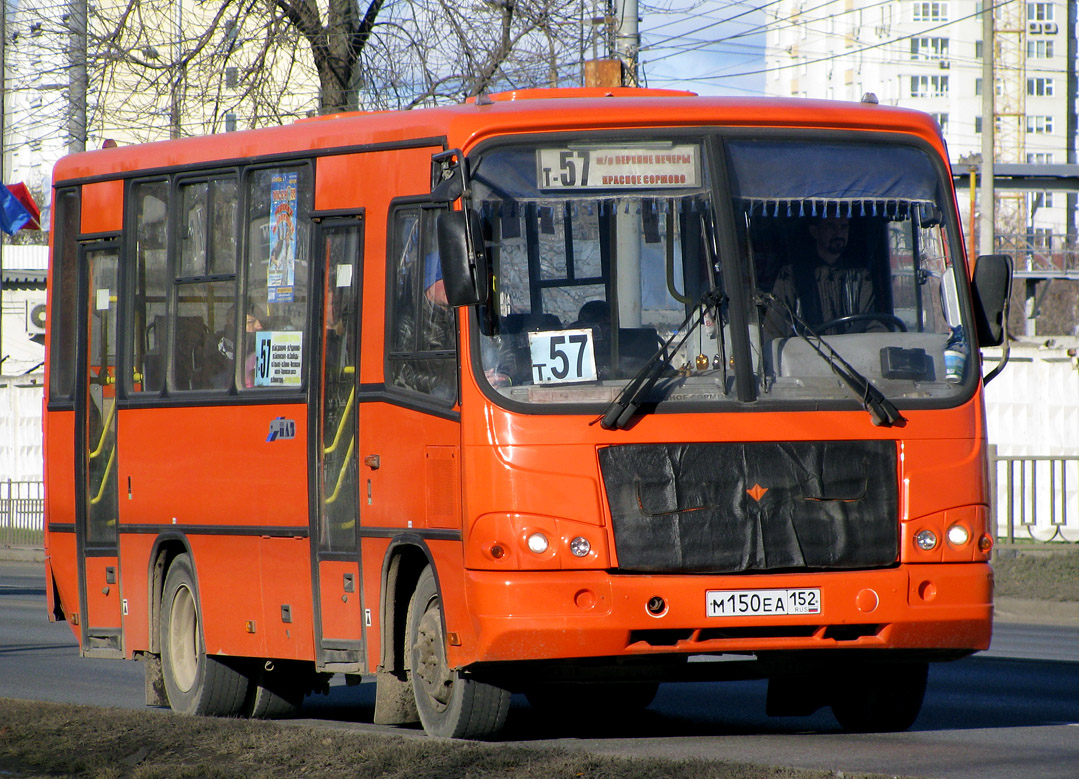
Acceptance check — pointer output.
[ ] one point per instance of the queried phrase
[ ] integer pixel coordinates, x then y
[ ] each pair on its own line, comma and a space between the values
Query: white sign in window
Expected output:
278, 358
619, 167
560, 356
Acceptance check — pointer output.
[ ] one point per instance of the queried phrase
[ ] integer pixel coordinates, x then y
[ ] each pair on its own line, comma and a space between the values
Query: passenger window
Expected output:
64, 292
205, 281
149, 325
208, 228
278, 246
202, 358
422, 327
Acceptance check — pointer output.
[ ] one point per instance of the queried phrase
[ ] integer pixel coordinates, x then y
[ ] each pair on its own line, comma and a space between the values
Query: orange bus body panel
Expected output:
103, 207
342, 612
286, 582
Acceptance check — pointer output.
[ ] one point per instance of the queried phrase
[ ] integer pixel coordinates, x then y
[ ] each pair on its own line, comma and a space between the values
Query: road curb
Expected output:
19, 554
1036, 612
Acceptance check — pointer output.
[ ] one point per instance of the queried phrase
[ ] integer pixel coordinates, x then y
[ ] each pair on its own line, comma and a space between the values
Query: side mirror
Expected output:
464, 260
992, 287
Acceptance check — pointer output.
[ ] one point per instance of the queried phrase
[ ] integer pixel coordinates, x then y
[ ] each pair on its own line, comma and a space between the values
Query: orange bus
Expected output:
548, 392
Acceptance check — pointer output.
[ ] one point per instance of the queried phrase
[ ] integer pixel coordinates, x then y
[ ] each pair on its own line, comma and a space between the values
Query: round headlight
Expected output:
537, 542
958, 535
579, 547
926, 540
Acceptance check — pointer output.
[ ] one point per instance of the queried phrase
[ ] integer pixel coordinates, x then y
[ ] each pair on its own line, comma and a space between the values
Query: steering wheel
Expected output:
894, 323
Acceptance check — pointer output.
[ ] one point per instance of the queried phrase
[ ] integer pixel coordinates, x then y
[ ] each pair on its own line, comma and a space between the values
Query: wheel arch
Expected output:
167, 547
402, 565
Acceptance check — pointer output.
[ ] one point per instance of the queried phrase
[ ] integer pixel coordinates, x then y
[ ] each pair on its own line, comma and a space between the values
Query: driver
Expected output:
823, 287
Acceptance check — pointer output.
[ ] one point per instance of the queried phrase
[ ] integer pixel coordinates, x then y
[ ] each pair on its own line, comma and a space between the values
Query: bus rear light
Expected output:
498, 551
958, 535
985, 543
538, 543
580, 547
926, 540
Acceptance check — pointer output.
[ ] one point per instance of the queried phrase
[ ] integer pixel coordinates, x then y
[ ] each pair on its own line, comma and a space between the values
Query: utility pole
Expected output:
985, 239
76, 126
627, 40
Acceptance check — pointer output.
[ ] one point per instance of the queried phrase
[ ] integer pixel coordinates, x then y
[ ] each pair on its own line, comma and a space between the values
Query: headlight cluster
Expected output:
529, 542
956, 535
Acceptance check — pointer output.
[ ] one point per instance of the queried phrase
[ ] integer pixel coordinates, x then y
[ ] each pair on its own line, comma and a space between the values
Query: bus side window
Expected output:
150, 294
276, 284
205, 283
421, 354
64, 291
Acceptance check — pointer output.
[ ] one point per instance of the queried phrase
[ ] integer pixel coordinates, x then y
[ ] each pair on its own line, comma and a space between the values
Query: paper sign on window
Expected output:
278, 358
560, 356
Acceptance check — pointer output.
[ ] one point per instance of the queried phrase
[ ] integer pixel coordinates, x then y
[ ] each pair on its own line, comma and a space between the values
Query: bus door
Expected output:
97, 503
335, 513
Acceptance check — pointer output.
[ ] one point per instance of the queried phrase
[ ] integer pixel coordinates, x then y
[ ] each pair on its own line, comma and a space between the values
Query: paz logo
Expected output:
281, 429
756, 492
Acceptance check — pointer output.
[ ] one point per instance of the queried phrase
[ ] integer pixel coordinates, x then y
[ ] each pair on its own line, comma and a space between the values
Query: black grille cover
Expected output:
729, 507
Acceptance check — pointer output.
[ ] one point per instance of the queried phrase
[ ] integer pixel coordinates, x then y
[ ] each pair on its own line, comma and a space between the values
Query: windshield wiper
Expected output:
623, 408
882, 411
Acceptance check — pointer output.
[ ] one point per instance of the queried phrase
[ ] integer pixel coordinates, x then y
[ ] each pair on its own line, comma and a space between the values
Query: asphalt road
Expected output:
1010, 712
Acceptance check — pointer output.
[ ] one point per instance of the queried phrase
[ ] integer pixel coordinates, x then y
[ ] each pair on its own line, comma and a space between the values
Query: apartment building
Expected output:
927, 55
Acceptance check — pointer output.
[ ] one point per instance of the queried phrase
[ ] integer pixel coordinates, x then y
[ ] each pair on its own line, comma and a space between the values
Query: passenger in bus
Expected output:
252, 325
226, 348
825, 285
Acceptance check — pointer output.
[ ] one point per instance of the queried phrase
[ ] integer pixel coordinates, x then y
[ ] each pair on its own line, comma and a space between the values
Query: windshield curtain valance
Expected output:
783, 178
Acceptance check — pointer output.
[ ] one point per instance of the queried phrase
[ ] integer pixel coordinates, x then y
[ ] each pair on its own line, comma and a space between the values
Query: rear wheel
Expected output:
450, 705
880, 697
195, 683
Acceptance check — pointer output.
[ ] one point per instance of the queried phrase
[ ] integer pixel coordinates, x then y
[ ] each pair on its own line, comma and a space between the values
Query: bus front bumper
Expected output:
548, 615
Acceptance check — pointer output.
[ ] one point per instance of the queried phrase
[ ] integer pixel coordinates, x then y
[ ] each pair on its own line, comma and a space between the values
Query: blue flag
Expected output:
13, 214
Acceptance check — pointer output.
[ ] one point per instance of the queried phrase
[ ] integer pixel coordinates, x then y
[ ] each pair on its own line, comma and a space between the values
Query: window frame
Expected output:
398, 208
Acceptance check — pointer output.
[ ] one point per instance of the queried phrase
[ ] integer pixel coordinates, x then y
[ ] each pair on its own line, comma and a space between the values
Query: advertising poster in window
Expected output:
282, 273
278, 358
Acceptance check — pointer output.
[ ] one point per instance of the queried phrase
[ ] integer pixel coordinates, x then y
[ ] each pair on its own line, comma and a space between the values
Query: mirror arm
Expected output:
1005, 347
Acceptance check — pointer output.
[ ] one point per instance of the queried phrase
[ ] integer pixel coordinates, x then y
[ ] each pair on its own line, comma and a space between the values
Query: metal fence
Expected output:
1035, 498
1032, 498
22, 513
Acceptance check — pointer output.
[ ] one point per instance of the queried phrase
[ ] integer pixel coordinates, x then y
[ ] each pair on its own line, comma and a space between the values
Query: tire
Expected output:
590, 699
449, 705
195, 683
881, 698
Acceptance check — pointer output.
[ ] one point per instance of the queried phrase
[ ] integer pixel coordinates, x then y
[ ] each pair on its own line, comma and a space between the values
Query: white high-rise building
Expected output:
927, 55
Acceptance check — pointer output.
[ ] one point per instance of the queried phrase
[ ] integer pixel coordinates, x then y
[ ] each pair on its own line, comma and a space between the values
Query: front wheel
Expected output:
195, 683
880, 697
450, 705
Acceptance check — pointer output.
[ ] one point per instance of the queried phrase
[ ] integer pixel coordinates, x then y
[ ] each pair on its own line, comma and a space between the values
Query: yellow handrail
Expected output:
105, 477
341, 473
341, 425
104, 431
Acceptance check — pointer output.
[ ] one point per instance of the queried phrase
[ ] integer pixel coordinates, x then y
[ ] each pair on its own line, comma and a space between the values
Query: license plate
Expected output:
762, 603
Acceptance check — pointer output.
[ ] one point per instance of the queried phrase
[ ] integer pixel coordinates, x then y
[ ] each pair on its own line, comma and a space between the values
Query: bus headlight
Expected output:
538, 543
958, 535
926, 540
579, 547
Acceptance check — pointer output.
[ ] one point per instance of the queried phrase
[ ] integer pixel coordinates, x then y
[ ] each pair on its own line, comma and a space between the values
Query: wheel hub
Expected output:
430, 667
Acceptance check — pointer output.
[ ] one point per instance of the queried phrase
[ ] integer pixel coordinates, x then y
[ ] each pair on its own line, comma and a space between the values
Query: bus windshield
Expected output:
601, 250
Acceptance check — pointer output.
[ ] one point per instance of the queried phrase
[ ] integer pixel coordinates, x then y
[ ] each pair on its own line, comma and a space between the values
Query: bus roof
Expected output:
464, 125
